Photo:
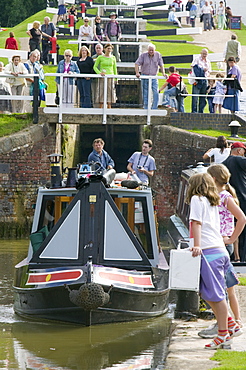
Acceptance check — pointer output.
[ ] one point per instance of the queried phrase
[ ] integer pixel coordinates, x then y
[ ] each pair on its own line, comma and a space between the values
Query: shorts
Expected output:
214, 265
231, 277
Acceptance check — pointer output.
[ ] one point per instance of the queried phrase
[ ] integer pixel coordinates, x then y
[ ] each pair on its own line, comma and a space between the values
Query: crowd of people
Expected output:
212, 17
211, 90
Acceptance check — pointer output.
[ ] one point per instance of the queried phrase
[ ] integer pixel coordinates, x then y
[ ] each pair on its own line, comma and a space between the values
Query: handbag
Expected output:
57, 98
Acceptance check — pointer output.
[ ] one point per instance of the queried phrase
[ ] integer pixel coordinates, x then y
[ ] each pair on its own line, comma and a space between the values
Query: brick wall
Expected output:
174, 149
24, 167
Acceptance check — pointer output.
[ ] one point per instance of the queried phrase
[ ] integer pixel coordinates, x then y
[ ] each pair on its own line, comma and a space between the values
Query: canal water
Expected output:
50, 346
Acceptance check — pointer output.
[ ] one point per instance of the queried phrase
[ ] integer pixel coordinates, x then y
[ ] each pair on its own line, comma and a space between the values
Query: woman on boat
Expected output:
221, 152
68, 66
106, 65
85, 64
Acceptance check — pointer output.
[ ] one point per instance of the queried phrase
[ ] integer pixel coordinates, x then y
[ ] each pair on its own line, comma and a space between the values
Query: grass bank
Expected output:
9, 124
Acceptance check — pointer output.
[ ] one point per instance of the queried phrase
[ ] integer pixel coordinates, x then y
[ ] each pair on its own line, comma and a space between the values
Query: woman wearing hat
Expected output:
113, 33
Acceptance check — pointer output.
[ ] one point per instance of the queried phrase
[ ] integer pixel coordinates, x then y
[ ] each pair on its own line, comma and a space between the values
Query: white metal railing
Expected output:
139, 44
63, 108
16, 97
104, 111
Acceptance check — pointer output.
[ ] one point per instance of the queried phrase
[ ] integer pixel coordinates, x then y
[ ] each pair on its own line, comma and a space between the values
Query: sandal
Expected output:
220, 342
235, 331
239, 322
237, 261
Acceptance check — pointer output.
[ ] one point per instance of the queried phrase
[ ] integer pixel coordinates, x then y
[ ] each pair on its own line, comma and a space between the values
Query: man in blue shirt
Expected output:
142, 163
100, 155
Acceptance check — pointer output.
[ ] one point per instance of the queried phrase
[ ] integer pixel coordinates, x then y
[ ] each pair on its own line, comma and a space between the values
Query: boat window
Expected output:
134, 210
52, 209
182, 206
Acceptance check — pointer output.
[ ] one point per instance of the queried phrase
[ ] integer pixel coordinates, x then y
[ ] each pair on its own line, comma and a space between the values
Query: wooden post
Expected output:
35, 99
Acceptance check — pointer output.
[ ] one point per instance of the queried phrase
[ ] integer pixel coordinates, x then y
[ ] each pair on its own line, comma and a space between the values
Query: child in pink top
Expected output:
228, 209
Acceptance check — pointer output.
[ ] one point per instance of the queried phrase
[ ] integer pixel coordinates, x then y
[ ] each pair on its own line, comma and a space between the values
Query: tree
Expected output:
15, 11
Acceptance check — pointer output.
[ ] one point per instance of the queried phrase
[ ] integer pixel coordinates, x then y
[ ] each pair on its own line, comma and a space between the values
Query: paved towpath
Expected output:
187, 350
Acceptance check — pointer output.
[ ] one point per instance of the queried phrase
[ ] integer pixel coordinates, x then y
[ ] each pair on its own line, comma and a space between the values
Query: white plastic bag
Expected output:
191, 78
184, 273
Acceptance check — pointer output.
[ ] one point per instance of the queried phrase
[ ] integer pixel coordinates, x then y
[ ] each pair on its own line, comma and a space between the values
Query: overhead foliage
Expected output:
15, 11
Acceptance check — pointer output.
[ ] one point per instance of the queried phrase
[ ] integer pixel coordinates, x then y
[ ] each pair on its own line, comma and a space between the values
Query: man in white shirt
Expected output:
202, 68
207, 14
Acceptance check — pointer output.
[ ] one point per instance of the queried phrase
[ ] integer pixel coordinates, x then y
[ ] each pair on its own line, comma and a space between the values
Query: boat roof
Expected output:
93, 226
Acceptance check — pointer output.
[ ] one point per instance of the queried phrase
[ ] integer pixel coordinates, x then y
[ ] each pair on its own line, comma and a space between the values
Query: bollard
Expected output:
71, 24
53, 50
83, 10
187, 304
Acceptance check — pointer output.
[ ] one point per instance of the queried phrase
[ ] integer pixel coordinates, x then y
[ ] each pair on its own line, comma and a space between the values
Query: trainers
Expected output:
210, 332
220, 342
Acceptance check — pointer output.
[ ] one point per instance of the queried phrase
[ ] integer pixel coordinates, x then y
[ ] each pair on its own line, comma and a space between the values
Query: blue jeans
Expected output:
202, 100
210, 104
166, 98
145, 90
180, 100
84, 87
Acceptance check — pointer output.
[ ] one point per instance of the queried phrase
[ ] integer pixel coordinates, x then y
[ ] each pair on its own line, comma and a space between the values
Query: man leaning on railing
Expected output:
149, 63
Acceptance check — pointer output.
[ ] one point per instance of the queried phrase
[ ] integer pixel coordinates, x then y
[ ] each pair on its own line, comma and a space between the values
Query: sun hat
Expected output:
112, 13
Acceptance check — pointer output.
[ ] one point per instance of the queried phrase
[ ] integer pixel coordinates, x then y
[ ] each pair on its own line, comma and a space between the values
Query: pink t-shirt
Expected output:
226, 217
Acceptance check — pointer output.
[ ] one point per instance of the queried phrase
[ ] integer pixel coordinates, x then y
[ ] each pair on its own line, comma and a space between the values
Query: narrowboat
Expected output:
94, 255
178, 227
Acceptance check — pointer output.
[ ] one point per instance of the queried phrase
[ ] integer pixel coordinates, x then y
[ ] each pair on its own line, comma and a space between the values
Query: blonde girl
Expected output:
228, 209
203, 197
220, 90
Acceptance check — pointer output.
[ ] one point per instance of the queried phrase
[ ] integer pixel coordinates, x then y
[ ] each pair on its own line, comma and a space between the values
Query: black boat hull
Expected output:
54, 304
49, 300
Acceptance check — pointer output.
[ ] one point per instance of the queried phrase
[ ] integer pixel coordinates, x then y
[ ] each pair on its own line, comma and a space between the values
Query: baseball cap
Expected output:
238, 144
112, 13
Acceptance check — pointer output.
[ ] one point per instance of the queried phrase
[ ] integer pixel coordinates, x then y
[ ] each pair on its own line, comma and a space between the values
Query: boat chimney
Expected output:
55, 170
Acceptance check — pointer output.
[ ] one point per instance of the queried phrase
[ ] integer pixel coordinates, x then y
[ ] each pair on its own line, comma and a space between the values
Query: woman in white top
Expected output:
85, 33
221, 152
221, 15
17, 81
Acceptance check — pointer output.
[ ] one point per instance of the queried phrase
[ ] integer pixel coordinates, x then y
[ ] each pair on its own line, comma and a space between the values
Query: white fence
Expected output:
120, 108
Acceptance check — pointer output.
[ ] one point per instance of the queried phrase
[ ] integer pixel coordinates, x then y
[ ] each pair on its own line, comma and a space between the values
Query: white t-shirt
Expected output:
202, 211
218, 156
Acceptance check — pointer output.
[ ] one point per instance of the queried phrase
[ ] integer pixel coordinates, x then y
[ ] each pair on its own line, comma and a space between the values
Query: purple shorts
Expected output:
214, 264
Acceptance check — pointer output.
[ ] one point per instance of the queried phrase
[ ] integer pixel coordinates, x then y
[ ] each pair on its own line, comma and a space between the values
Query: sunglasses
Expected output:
86, 21
68, 56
